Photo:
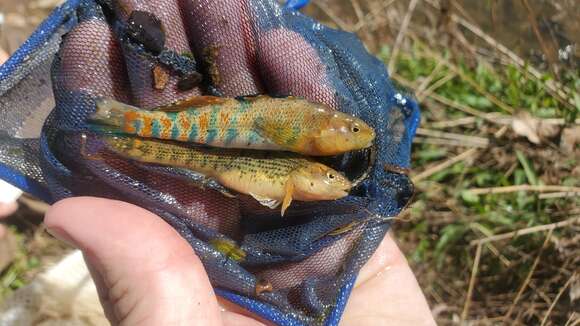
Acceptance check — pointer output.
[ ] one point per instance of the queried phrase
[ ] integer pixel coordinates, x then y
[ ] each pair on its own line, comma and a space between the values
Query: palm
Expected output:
151, 276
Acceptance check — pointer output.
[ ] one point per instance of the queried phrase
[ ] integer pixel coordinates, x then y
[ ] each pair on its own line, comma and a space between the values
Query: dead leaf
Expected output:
534, 129
570, 139
160, 78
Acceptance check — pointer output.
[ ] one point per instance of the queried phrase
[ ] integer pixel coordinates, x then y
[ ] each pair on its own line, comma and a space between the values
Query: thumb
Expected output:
145, 273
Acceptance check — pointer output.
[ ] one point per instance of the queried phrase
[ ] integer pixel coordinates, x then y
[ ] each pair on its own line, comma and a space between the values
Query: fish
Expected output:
272, 178
256, 122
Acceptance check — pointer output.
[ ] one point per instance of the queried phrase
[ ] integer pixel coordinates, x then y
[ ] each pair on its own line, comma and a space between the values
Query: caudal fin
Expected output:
108, 118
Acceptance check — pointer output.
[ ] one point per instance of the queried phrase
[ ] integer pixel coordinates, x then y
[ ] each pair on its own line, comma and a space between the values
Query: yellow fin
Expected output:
288, 197
191, 102
229, 248
276, 131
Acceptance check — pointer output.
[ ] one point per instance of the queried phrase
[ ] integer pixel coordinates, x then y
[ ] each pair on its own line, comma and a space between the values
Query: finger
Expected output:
147, 274
386, 292
81, 70
221, 34
148, 91
7, 209
291, 66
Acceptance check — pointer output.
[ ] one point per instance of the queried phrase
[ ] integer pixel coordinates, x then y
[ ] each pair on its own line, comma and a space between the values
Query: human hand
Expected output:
147, 274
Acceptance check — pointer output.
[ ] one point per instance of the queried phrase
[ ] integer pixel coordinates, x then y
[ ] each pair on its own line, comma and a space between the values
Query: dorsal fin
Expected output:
192, 102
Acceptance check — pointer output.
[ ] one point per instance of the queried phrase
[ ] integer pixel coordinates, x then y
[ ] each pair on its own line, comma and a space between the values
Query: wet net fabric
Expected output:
296, 270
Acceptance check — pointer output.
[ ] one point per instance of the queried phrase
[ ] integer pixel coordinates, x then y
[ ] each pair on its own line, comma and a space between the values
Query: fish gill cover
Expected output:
292, 270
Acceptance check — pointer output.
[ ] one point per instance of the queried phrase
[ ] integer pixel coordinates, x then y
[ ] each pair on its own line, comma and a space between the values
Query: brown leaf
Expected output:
160, 78
534, 129
570, 139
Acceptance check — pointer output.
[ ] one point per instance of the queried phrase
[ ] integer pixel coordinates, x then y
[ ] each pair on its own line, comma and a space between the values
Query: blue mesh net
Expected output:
310, 258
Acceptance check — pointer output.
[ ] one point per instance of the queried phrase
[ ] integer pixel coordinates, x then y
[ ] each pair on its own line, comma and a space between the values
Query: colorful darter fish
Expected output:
259, 122
272, 178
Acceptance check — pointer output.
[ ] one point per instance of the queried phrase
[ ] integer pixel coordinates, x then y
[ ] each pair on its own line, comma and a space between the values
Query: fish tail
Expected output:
110, 112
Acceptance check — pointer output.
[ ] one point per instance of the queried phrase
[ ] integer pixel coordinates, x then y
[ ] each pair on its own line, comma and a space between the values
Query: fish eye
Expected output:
355, 128
330, 175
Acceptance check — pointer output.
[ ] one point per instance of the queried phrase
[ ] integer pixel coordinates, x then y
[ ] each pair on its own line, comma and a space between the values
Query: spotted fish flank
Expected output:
273, 178
261, 122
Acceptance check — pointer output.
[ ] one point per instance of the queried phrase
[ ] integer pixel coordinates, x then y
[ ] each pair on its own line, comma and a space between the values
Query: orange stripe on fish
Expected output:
166, 128
225, 119
203, 124
147, 124
185, 125
129, 119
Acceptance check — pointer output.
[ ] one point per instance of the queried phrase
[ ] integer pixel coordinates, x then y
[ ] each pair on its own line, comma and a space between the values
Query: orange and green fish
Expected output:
259, 122
272, 178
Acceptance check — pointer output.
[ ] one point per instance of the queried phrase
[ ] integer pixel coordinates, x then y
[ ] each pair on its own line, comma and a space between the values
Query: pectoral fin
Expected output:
268, 202
191, 102
288, 197
275, 131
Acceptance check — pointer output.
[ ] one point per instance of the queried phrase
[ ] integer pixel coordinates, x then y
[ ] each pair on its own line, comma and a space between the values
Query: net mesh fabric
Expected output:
310, 256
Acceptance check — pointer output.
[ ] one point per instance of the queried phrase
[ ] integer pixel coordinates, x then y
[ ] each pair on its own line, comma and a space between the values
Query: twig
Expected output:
557, 298
401, 35
452, 123
335, 19
436, 85
560, 194
446, 142
447, 135
528, 277
525, 231
425, 83
526, 187
456, 105
573, 320
357, 10
472, 279
371, 14
442, 166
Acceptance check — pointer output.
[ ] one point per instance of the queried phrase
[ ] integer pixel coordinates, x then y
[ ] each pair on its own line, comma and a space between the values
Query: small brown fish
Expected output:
272, 178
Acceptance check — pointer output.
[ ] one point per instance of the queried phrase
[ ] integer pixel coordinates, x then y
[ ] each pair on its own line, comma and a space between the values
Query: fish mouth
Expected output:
343, 192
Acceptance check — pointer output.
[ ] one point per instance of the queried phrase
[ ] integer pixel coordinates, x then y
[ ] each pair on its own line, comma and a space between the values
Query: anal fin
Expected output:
268, 202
